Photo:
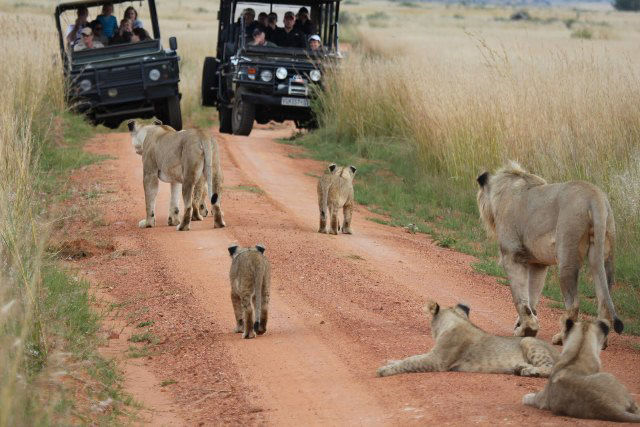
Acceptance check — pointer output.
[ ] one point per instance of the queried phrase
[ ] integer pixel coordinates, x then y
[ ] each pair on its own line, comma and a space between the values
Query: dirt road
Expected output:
341, 305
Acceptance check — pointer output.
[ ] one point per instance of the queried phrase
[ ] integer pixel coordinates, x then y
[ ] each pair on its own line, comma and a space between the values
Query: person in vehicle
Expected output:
250, 23
87, 41
139, 34
259, 39
315, 44
263, 19
98, 34
303, 23
73, 35
272, 26
289, 36
125, 31
131, 14
108, 21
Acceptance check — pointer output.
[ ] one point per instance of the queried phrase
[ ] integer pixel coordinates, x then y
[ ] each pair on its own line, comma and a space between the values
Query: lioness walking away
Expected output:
250, 277
181, 159
576, 387
462, 346
538, 225
335, 191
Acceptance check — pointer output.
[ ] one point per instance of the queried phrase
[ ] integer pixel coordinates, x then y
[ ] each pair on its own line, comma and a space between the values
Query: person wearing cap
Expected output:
73, 34
303, 23
315, 44
289, 36
259, 39
87, 41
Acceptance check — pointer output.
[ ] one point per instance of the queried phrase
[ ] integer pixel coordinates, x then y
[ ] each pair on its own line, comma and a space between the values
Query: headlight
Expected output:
281, 73
154, 74
315, 75
85, 85
266, 75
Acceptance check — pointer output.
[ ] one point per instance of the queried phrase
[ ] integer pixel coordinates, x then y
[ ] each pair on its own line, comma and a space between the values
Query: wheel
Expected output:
209, 82
224, 116
242, 115
173, 113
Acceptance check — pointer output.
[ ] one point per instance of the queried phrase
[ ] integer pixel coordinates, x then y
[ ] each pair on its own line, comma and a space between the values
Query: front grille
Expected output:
119, 75
298, 86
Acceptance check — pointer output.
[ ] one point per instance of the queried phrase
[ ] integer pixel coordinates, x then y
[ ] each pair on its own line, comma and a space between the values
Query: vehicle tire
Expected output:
224, 116
209, 82
173, 114
242, 115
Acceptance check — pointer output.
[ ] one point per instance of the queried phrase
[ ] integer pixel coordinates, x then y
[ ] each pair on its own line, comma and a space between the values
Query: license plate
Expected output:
295, 102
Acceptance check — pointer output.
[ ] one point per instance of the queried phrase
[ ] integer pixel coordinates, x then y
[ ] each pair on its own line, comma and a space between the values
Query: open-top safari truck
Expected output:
262, 83
117, 82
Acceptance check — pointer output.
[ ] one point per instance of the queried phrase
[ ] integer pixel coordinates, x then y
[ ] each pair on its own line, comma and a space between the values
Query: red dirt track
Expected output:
340, 305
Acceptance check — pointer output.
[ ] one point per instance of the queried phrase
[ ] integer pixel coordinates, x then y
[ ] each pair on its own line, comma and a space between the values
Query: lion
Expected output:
538, 225
250, 278
462, 346
181, 159
335, 191
576, 386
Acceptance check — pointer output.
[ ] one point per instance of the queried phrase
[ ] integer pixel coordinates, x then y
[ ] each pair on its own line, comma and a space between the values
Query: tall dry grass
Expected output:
32, 89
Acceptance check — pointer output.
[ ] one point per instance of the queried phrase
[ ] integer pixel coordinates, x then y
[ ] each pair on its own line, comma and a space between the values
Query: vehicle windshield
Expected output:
106, 25
276, 26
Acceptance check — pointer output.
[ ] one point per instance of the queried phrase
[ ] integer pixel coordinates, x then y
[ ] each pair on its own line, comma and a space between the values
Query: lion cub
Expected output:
462, 346
250, 281
335, 191
576, 387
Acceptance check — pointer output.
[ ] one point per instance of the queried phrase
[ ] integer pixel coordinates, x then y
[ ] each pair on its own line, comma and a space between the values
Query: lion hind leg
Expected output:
150, 182
187, 198
247, 317
237, 311
347, 212
568, 271
527, 324
174, 210
420, 363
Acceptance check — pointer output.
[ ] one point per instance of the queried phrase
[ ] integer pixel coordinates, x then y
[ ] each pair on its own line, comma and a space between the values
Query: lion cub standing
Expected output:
462, 346
181, 159
576, 387
250, 281
335, 191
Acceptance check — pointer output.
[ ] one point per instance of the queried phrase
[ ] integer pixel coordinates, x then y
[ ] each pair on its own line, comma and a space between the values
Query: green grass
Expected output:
135, 352
389, 181
165, 383
145, 324
249, 188
147, 337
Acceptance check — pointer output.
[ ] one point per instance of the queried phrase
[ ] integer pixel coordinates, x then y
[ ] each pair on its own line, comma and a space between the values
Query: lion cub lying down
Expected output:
577, 387
250, 277
462, 346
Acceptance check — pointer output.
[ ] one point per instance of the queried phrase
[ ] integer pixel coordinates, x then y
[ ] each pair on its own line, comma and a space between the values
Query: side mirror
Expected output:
173, 43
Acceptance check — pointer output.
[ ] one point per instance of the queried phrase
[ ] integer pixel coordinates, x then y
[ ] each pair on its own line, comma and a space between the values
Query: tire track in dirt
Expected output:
341, 305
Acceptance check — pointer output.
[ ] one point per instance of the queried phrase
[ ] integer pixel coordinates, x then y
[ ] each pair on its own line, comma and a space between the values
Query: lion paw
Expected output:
173, 220
529, 399
249, 335
144, 224
527, 371
184, 227
219, 224
346, 230
557, 339
239, 328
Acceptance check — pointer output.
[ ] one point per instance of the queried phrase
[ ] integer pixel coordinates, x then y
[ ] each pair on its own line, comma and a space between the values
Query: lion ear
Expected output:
157, 122
604, 327
483, 179
353, 169
131, 124
332, 167
232, 249
432, 307
464, 308
260, 247
568, 324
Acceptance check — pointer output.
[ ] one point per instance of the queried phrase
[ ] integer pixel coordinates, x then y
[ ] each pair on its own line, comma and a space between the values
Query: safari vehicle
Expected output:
259, 83
117, 82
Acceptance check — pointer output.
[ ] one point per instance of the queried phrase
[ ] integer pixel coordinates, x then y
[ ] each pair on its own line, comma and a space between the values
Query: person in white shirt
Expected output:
73, 31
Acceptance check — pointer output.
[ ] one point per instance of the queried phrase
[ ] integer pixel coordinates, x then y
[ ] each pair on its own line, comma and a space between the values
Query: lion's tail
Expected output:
600, 217
257, 288
217, 176
207, 167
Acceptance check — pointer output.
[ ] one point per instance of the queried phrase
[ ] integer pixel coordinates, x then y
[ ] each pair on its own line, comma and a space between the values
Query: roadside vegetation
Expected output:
422, 116
50, 370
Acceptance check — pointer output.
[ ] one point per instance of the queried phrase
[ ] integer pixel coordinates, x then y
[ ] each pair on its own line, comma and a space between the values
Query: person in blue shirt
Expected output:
108, 21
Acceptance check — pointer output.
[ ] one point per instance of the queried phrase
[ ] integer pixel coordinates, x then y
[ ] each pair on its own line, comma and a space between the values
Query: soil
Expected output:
341, 306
